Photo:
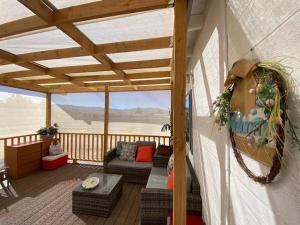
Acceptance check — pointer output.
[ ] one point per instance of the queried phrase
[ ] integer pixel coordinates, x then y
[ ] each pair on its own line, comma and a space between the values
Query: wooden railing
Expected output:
16, 140
83, 146
114, 138
19, 139
90, 147
86, 146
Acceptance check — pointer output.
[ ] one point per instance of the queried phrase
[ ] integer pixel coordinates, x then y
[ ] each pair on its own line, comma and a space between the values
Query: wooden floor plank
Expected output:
137, 219
45, 198
134, 209
124, 213
122, 204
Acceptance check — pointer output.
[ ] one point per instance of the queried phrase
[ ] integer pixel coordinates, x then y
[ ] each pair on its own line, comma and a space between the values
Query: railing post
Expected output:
48, 110
106, 118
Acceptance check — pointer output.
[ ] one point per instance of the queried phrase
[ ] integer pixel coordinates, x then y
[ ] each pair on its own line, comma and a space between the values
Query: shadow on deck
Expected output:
45, 197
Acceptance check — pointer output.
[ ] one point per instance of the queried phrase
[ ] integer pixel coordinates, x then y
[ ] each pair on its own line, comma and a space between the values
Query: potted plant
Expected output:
48, 132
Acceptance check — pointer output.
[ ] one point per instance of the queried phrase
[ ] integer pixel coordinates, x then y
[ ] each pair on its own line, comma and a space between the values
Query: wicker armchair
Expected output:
160, 160
157, 203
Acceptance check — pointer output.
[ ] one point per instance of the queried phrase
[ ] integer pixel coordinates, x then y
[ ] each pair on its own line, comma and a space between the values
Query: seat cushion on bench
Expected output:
54, 157
158, 178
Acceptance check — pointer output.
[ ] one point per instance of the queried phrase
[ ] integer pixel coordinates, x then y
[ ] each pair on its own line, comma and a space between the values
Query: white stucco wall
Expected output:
272, 29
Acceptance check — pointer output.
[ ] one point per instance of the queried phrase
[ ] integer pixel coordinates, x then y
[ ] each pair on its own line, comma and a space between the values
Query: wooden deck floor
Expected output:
45, 197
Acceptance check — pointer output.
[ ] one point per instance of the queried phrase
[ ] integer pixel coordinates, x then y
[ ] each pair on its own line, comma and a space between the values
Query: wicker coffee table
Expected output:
101, 200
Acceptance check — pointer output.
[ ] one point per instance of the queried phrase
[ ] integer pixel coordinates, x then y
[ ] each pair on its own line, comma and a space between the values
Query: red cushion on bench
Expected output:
53, 164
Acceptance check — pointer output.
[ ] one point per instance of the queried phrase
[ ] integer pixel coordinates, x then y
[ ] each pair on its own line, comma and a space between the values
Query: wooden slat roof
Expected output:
81, 34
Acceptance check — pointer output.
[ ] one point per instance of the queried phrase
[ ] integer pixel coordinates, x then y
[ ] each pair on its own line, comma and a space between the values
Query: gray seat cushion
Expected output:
158, 178
116, 162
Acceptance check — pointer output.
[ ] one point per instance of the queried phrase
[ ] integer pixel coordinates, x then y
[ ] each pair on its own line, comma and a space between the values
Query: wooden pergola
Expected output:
160, 66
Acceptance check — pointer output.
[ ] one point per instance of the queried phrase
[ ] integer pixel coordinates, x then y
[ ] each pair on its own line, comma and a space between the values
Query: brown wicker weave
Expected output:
132, 174
157, 203
101, 200
160, 160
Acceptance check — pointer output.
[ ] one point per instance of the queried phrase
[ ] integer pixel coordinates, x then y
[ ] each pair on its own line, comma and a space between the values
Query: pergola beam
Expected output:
111, 89
107, 8
48, 15
24, 85
111, 84
39, 8
94, 10
89, 68
39, 69
118, 47
122, 83
47, 11
150, 75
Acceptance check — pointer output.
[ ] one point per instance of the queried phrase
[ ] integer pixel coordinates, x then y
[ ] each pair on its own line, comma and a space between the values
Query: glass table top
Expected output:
107, 183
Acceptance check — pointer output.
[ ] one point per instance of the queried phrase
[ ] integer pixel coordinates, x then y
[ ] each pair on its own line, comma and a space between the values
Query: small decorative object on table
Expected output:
254, 107
90, 183
48, 132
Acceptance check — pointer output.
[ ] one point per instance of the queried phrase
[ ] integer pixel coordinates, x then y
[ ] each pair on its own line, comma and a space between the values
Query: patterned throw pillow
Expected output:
128, 152
170, 164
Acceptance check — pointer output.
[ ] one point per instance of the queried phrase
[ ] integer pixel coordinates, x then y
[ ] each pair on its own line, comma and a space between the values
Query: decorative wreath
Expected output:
253, 106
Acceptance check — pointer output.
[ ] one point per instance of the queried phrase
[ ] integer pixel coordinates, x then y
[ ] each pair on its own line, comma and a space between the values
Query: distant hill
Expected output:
137, 115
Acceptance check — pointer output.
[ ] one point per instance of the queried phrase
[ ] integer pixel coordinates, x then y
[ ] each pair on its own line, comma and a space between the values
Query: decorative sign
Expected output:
253, 107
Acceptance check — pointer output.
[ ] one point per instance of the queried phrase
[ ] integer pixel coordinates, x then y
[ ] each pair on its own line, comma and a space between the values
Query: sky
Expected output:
6, 92
118, 100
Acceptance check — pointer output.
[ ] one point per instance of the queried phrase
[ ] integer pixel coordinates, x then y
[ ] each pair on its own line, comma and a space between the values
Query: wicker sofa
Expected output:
157, 200
134, 172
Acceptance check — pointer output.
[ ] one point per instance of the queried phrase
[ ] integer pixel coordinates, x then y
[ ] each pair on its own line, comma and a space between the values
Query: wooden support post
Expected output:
48, 109
106, 118
172, 111
179, 191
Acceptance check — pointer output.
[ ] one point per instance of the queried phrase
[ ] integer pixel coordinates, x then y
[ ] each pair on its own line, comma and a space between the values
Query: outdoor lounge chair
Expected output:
135, 172
157, 200
3, 174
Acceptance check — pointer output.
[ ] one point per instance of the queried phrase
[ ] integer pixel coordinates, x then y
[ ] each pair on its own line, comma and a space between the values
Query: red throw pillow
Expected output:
144, 154
170, 180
